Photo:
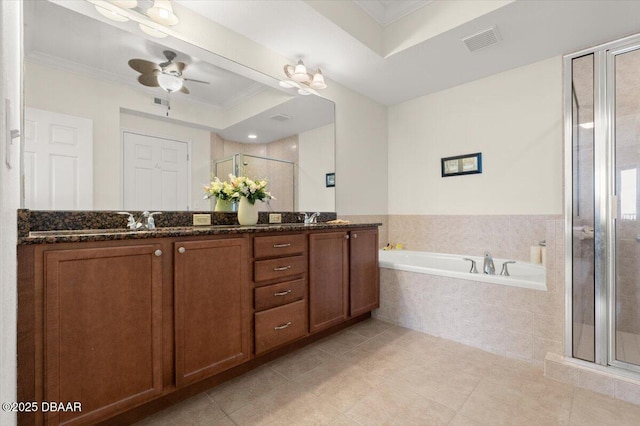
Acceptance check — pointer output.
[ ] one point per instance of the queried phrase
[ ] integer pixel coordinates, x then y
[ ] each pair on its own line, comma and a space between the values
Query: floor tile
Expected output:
240, 391
393, 404
340, 382
376, 373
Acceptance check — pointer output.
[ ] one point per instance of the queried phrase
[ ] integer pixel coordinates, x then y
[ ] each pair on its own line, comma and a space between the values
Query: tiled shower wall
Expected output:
510, 321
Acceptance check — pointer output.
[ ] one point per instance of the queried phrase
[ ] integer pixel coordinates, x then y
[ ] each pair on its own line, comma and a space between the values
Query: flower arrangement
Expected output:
252, 190
220, 190
240, 186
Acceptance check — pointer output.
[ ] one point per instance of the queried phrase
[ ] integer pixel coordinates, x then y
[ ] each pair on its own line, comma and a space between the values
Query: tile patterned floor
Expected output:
375, 373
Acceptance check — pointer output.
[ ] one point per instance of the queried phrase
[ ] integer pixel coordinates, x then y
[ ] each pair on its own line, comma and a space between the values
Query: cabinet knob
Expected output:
158, 253
181, 250
355, 235
346, 236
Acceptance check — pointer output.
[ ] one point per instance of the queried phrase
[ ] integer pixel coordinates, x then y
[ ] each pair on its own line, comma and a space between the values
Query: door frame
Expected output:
605, 199
124, 130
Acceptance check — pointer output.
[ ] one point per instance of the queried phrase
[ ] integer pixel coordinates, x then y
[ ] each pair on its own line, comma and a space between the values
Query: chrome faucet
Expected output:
311, 218
145, 221
505, 270
488, 267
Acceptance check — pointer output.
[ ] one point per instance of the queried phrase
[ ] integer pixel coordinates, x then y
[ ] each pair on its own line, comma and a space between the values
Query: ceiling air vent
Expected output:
482, 39
281, 117
160, 101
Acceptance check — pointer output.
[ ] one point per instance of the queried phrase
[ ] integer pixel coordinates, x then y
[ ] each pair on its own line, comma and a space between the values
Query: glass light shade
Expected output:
169, 82
111, 15
318, 81
152, 31
304, 92
300, 72
162, 13
125, 4
288, 84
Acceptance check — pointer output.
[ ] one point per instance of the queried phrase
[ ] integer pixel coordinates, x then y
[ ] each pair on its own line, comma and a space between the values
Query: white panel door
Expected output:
156, 173
58, 161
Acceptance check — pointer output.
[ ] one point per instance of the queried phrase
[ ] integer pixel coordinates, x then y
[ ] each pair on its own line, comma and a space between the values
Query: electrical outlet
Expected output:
275, 218
201, 219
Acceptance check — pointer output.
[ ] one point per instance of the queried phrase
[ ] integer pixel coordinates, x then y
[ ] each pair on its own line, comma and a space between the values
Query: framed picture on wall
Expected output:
330, 180
461, 165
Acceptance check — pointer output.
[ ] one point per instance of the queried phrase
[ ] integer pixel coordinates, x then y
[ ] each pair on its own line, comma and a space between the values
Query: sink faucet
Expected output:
311, 218
488, 267
145, 221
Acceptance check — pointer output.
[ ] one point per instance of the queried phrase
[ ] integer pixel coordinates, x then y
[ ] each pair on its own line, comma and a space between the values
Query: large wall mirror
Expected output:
98, 137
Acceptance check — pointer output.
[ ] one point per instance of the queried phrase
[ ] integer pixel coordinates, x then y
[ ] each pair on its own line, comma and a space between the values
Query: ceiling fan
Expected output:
167, 75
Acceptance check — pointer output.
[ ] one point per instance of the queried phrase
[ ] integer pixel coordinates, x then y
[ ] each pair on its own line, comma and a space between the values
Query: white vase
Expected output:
247, 212
224, 205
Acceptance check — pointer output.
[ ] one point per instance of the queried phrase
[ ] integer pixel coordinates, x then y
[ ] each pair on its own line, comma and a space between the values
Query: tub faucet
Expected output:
488, 267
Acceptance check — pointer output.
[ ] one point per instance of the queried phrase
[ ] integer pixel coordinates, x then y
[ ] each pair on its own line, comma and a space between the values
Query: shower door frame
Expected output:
605, 201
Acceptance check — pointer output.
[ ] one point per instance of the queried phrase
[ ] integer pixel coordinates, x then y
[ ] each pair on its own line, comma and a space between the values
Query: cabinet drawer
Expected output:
279, 294
279, 245
279, 268
280, 325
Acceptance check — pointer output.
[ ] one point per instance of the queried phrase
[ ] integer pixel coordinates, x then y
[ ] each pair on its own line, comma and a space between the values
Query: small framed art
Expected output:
461, 165
330, 180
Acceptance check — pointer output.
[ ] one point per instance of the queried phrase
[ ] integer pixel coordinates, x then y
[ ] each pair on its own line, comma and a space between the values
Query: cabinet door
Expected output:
363, 271
328, 279
103, 317
212, 307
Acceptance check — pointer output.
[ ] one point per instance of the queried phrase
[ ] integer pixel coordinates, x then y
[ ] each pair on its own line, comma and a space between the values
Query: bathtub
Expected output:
522, 274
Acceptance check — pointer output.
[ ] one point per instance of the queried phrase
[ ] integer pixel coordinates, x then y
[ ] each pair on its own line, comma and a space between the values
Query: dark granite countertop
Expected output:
73, 226
84, 235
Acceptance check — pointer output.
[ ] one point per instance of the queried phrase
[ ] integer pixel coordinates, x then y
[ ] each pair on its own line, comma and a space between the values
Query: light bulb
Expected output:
318, 81
300, 72
126, 4
169, 82
162, 13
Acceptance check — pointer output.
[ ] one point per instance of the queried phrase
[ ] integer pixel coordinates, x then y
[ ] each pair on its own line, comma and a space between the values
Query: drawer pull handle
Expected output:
283, 268
283, 326
282, 293
282, 245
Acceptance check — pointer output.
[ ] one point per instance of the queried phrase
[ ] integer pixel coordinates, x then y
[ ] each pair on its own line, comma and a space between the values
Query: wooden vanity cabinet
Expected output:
102, 329
328, 279
364, 272
280, 295
212, 307
343, 276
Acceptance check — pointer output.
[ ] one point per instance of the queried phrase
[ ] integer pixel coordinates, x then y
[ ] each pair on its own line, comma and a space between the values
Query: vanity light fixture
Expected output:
301, 79
162, 13
159, 15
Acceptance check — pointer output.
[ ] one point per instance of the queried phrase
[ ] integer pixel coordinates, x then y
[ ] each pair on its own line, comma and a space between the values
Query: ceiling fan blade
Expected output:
142, 66
148, 80
184, 90
196, 81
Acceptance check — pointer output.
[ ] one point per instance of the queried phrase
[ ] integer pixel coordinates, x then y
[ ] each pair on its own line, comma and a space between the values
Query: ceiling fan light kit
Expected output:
301, 79
162, 13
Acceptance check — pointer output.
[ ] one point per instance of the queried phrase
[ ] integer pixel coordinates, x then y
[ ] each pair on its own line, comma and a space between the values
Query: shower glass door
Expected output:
624, 67
583, 210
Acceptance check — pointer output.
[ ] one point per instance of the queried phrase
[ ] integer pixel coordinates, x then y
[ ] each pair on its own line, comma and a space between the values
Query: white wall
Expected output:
10, 60
514, 118
200, 150
316, 155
